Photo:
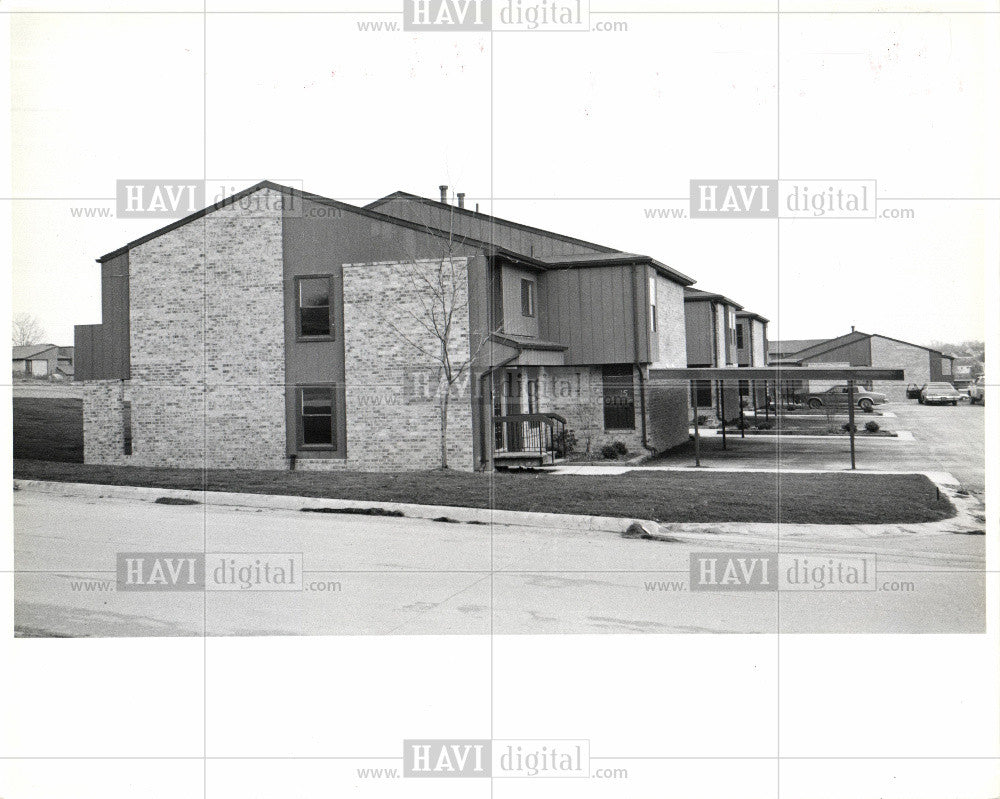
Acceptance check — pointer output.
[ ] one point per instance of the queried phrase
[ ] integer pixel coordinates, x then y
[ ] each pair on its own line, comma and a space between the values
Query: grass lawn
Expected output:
48, 429
830, 498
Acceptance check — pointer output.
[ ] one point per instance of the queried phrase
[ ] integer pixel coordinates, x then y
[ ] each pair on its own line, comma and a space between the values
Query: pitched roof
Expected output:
613, 259
526, 343
23, 351
697, 295
911, 344
790, 346
403, 195
822, 346
542, 263
752, 315
829, 344
319, 199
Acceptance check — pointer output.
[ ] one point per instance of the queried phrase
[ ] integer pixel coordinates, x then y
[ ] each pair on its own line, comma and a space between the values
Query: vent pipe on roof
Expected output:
852, 328
444, 193
461, 199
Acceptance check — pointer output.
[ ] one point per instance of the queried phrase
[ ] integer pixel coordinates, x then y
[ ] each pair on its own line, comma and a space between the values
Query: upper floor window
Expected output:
652, 303
527, 297
739, 337
315, 316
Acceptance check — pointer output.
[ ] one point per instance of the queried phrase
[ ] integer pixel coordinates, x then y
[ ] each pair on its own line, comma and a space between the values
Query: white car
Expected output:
939, 394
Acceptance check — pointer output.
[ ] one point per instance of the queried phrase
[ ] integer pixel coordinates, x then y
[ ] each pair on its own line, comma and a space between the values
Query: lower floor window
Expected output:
701, 393
316, 417
619, 397
127, 427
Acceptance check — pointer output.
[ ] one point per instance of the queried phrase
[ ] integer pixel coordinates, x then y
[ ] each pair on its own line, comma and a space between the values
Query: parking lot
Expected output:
944, 438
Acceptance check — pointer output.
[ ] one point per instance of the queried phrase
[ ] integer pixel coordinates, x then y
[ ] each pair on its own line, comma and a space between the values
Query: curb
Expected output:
900, 435
561, 521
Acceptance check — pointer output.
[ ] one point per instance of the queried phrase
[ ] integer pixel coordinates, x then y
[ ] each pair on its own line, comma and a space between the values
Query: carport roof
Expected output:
777, 373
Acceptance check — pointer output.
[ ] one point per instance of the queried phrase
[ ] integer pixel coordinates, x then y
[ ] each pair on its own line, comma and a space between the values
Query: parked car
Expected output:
838, 397
939, 394
913, 391
977, 391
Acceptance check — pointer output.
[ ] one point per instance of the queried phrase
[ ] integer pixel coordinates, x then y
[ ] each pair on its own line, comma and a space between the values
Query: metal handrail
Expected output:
529, 432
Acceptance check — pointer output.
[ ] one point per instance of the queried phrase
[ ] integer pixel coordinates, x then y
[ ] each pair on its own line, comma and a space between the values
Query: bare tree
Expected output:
26, 329
439, 302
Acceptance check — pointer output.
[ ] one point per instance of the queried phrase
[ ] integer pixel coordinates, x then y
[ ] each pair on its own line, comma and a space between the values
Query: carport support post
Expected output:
722, 405
743, 424
850, 417
697, 435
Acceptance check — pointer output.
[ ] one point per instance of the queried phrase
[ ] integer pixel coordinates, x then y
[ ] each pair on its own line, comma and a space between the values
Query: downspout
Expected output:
715, 353
635, 351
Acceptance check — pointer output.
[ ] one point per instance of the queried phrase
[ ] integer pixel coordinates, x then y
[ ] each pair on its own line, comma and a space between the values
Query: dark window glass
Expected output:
701, 393
652, 302
314, 306
619, 397
527, 297
127, 427
739, 337
316, 416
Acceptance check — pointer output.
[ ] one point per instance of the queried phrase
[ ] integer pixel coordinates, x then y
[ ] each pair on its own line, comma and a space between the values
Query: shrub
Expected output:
565, 443
702, 419
765, 425
620, 448
871, 427
849, 428
608, 452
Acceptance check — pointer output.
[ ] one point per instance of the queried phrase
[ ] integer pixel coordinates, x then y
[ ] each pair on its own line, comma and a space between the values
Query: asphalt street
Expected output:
384, 575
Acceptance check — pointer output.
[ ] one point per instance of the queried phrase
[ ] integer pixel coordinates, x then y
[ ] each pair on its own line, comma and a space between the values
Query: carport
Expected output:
775, 376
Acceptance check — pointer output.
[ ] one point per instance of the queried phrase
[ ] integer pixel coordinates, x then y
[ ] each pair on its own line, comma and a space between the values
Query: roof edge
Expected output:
405, 195
753, 315
317, 198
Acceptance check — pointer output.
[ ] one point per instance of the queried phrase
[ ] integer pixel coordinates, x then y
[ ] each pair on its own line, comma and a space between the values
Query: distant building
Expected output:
43, 360
965, 369
920, 364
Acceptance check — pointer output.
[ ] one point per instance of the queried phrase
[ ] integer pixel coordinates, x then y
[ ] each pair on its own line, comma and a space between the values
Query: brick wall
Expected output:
668, 413
207, 343
671, 332
391, 388
668, 406
103, 422
914, 361
759, 343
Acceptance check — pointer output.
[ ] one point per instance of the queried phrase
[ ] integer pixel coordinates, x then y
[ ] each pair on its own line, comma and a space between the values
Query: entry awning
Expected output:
776, 373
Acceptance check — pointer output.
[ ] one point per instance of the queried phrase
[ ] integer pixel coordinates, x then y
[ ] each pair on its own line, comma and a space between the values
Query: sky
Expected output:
583, 133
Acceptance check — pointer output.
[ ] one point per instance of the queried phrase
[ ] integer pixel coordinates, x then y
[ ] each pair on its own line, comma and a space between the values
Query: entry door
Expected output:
512, 392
